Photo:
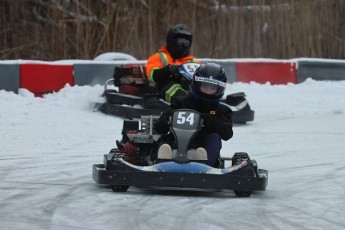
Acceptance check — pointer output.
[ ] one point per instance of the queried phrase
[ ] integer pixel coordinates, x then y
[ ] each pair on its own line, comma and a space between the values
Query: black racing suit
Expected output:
217, 124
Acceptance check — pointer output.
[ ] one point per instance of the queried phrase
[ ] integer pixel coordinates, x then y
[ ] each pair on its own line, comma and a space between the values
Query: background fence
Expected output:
82, 29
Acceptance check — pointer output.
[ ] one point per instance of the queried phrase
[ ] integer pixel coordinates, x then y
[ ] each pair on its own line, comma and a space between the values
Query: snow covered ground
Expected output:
48, 146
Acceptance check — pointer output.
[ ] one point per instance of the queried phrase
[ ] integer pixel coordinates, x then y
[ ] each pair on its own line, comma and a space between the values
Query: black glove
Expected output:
208, 119
164, 75
175, 73
173, 69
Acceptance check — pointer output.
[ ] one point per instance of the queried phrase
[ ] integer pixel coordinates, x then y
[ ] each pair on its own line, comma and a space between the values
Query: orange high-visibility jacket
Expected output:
163, 58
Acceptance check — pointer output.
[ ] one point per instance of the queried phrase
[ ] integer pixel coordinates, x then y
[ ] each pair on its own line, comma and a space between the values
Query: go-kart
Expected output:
135, 161
136, 97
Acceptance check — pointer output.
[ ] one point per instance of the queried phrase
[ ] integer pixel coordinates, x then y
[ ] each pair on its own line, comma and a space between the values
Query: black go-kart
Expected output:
135, 97
136, 162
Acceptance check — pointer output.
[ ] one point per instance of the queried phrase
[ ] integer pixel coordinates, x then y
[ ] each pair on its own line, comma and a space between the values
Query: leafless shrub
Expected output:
83, 29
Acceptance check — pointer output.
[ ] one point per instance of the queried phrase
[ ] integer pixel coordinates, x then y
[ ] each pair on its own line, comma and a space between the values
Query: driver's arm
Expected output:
220, 123
162, 124
157, 73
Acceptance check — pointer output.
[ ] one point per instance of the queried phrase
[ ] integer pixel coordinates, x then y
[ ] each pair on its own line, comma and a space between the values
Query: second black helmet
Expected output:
179, 41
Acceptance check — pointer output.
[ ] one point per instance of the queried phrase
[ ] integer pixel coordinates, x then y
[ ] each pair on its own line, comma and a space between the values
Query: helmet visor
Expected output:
209, 86
182, 43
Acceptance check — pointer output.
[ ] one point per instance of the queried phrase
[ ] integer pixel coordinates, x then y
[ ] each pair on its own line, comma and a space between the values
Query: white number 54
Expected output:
181, 118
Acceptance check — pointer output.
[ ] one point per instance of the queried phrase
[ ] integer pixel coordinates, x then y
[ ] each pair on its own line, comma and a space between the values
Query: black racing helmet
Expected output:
179, 41
209, 82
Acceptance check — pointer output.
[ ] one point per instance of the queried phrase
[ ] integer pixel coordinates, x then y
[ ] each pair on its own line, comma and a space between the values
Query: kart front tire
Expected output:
237, 159
242, 193
120, 188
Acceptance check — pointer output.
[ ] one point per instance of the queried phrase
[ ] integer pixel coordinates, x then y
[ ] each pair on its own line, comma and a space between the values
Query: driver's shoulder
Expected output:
222, 106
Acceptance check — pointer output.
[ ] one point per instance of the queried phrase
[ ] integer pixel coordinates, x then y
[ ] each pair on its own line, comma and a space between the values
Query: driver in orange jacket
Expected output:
162, 67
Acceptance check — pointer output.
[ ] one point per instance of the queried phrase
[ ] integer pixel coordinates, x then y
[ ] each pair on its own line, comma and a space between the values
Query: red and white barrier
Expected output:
45, 77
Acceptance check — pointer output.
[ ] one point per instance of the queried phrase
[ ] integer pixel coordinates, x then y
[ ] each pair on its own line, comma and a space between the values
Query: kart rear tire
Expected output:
242, 193
120, 188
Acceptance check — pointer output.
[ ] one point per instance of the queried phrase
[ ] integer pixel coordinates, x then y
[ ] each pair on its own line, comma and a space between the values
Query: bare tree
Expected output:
83, 29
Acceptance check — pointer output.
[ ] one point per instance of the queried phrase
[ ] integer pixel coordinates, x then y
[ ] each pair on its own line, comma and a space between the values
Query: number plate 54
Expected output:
186, 119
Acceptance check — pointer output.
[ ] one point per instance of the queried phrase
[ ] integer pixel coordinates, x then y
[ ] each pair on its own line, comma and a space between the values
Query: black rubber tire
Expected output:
120, 188
242, 193
239, 157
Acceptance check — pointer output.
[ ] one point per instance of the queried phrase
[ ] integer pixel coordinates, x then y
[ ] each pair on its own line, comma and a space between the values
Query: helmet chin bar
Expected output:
177, 52
206, 98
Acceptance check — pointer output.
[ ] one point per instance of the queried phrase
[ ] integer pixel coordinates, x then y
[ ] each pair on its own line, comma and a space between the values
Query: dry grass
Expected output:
83, 29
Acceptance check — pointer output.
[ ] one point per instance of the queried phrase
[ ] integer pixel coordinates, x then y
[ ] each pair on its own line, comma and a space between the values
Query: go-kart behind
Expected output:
135, 97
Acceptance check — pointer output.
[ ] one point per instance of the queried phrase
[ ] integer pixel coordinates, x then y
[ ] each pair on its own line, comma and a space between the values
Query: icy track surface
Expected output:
48, 146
